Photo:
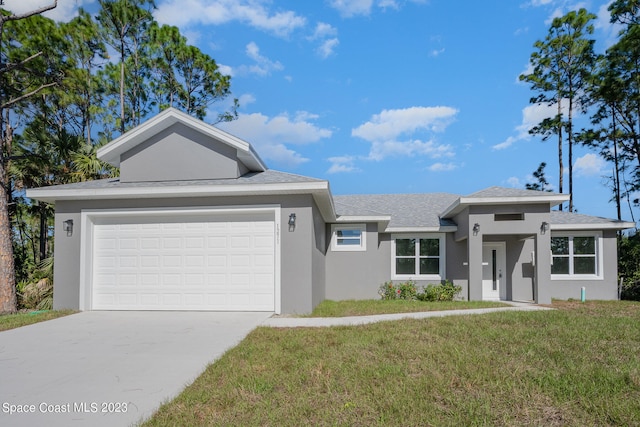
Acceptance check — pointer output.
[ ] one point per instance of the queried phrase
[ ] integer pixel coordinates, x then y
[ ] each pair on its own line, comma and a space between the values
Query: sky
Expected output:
387, 96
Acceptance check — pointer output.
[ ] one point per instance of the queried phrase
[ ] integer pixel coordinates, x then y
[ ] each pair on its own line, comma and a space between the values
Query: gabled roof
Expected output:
503, 196
406, 212
561, 220
111, 152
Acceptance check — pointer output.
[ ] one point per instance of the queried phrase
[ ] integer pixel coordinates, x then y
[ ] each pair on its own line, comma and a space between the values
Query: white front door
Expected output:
494, 271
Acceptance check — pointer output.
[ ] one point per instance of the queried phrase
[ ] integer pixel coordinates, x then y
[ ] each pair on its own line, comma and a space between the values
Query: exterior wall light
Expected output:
476, 229
544, 227
68, 227
292, 222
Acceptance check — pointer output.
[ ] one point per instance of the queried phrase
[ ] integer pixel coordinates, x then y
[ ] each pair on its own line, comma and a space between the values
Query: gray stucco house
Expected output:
196, 221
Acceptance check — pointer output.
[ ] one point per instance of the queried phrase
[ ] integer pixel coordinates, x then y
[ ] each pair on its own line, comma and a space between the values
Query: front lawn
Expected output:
574, 366
11, 321
328, 308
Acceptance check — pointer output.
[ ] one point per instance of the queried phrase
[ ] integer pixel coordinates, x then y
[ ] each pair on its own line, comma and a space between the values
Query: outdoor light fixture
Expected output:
476, 229
544, 227
292, 222
68, 227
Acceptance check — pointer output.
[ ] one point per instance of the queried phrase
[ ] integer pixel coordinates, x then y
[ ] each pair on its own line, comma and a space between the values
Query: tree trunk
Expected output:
8, 301
570, 140
560, 164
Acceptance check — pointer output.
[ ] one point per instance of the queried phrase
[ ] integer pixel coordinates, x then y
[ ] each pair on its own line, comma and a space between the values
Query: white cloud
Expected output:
254, 13
323, 30
326, 35
342, 164
390, 124
263, 66
383, 149
442, 167
589, 165
226, 70
246, 99
327, 47
436, 52
270, 136
349, 8
64, 12
384, 130
514, 182
532, 115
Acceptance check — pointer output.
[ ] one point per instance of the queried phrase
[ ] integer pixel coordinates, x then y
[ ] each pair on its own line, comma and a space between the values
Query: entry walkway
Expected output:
316, 322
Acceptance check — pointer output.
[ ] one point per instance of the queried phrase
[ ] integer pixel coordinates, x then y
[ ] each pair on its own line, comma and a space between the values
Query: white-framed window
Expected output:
419, 256
351, 237
576, 255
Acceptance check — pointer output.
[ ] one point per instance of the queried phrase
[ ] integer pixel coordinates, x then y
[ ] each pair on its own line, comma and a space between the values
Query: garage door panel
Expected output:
184, 263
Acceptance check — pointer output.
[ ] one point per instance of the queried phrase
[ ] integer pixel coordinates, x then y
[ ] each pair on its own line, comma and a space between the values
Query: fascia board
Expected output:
441, 229
363, 218
602, 226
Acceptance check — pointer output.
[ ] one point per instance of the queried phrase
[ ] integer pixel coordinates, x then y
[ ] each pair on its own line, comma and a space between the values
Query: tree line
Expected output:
569, 76
66, 88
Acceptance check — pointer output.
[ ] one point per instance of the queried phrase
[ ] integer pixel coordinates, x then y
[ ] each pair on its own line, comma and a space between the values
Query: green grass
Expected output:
11, 321
574, 366
330, 308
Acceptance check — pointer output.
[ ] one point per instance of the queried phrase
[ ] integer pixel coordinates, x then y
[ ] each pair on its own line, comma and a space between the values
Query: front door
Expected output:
494, 271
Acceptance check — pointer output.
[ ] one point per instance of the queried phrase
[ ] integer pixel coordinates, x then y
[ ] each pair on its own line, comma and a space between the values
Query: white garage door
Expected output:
184, 262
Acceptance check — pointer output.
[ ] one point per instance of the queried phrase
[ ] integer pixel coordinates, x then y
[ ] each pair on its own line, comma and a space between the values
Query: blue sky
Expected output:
388, 96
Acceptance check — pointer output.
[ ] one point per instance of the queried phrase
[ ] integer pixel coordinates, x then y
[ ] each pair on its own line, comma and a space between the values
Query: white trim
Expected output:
442, 260
438, 229
599, 256
86, 239
349, 248
363, 218
613, 225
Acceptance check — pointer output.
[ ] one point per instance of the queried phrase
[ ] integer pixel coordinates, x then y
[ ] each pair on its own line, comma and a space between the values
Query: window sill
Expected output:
567, 277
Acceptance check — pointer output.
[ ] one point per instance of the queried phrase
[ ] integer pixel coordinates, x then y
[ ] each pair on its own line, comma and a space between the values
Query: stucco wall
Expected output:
179, 153
301, 270
358, 274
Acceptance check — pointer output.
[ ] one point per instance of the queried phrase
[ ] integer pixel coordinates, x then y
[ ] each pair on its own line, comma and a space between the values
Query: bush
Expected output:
630, 290
446, 291
405, 290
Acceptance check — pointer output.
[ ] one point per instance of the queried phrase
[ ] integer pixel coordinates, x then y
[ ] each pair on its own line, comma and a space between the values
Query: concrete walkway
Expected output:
315, 322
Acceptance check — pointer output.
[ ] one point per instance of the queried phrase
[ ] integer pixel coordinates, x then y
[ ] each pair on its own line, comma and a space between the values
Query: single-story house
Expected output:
196, 221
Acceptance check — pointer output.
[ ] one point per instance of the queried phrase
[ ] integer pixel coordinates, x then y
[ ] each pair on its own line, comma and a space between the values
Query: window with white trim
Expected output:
350, 237
419, 257
575, 255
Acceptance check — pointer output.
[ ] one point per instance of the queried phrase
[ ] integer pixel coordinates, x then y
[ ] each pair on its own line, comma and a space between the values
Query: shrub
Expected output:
630, 290
446, 291
405, 290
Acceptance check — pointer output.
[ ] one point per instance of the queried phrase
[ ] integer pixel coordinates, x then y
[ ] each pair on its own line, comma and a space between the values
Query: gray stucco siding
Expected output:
298, 273
179, 153
358, 274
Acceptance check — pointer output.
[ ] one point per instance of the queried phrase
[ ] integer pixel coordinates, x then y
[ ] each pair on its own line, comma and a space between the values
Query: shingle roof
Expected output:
406, 210
507, 192
266, 177
571, 218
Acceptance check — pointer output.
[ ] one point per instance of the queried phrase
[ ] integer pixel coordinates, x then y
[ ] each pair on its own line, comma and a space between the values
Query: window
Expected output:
348, 237
575, 255
417, 256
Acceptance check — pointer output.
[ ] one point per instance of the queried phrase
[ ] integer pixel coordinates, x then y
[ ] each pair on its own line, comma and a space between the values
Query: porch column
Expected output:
542, 286
474, 248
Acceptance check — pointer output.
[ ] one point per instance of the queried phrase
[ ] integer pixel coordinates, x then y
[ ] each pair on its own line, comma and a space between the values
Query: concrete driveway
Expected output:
109, 368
